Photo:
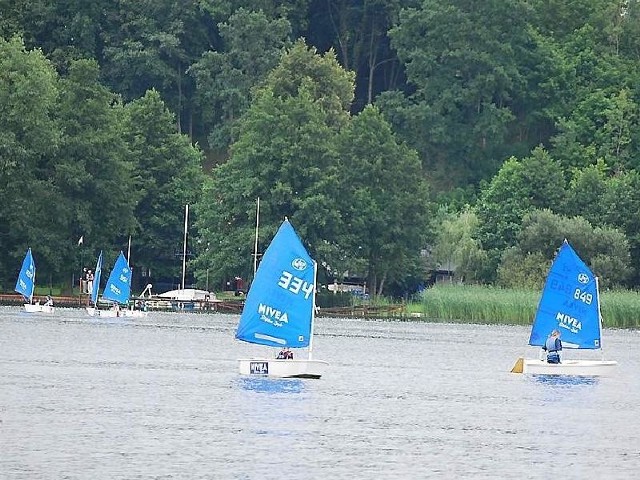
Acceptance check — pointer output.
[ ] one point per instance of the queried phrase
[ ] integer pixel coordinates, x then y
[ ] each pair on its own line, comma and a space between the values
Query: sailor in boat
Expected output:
49, 301
553, 347
285, 354
90, 278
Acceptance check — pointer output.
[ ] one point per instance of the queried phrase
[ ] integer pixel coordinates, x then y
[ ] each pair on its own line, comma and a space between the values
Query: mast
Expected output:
184, 250
599, 316
313, 307
33, 282
129, 251
255, 247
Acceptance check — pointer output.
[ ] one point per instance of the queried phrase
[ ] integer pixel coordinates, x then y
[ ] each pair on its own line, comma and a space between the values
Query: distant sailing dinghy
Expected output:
570, 303
117, 291
26, 285
280, 308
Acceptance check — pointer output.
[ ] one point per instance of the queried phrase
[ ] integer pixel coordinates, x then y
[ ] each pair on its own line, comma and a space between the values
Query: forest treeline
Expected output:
398, 136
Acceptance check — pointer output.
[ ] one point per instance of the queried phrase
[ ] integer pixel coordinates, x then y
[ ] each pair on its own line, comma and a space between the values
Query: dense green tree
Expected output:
600, 128
29, 140
284, 155
253, 45
94, 169
150, 44
357, 31
464, 60
168, 175
456, 246
584, 197
519, 187
622, 204
385, 212
526, 264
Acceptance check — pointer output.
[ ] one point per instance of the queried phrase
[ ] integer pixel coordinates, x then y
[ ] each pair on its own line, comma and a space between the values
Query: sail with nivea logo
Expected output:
570, 304
27, 277
96, 280
118, 287
279, 308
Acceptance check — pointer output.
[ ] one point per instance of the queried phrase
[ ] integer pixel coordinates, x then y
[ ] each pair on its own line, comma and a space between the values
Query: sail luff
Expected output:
313, 308
96, 280
599, 314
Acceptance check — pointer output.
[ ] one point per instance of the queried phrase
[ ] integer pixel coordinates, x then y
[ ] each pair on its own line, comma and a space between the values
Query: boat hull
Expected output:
37, 308
94, 312
269, 367
586, 368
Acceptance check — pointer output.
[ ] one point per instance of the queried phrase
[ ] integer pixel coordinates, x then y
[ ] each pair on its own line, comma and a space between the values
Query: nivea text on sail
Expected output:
272, 315
569, 322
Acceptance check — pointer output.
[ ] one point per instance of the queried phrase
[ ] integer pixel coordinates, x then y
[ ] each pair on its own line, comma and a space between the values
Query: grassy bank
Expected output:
483, 304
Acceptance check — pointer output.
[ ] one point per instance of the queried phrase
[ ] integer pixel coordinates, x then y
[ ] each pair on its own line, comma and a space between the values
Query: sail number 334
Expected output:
294, 284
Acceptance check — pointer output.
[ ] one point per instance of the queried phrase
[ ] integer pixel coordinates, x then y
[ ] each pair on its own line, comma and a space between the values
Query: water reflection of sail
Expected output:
270, 385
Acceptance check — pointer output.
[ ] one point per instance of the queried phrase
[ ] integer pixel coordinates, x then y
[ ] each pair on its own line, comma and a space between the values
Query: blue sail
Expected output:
118, 287
96, 279
569, 303
280, 304
27, 277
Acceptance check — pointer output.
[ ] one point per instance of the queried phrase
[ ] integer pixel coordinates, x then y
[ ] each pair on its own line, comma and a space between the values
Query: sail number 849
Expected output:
583, 296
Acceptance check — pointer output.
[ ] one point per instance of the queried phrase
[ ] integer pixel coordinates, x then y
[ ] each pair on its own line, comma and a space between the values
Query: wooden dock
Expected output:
152, 304
155, 304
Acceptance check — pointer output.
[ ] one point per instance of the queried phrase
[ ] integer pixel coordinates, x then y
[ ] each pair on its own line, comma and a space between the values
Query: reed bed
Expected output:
492, 305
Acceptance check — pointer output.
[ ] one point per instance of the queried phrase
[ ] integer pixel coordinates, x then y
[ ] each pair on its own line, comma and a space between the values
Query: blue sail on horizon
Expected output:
96, 279
280, 304
569, 303
27, 277
118, 287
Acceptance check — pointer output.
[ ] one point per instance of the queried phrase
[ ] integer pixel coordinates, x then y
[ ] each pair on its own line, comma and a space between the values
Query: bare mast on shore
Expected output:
184, 250
255, 247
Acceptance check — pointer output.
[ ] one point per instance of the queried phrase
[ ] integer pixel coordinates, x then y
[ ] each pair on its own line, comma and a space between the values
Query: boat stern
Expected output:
269, 367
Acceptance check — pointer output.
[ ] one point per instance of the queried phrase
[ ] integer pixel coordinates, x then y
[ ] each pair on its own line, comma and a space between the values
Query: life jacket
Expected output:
551, 345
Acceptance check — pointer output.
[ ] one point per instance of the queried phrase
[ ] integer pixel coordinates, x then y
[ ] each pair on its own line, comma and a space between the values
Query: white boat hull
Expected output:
270, 367
37, 308
94, 312
586, 368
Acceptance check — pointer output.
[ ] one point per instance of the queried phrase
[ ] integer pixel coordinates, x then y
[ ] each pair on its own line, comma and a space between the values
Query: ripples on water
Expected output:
160, 398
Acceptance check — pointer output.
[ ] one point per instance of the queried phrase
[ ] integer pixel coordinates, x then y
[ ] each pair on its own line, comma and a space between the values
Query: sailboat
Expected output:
280, 308
570, 303
26, 284
95, 287
117, 290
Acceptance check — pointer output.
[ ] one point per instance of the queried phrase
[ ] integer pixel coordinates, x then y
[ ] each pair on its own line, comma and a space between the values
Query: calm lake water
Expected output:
160, 399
